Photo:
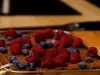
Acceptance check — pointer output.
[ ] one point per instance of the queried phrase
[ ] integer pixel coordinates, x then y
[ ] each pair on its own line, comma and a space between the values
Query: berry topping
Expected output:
19, 32
75, 57
89, 59
2, 43
15, 49
10, 33
26, 46
26, 40
66, 41
21, 66
73, 49
31, 66
3, 49
48, 33
92, 51
77, 42
82, 65
60, 34
9, 38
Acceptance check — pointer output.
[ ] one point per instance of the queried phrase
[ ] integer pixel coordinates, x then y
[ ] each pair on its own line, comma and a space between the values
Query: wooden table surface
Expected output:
89, 12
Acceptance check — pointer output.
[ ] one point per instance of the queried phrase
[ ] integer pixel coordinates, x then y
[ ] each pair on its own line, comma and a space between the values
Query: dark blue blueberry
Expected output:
50, 45
26, 46
16, 62
3, 49
89, 59
19, 32
73, 49
47, 45
9, 38
12, 58
31, 66
21, 66
42, 43
82, 65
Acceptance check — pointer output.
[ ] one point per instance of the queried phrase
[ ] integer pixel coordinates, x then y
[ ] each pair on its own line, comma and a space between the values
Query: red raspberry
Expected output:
47, 63
48, 33
2, 43
16, 41
66, 40
51, 52
59, 61
39, 36
92, 51
56, 44
60, 34
10, 33
64, 52
34, 58
77, 42
26, 40
39, 50
15, 49
75, 57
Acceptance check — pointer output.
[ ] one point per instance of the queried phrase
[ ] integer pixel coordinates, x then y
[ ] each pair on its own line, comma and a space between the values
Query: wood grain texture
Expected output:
88, 13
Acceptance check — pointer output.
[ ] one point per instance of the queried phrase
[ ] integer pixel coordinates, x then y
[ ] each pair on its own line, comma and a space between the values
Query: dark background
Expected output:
40, 7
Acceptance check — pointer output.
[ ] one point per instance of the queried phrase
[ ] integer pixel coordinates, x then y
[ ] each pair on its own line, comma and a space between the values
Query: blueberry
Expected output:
19, 32
53, 41
82, 65
12, 58
89, 59
9, 38
26, 46
50, 45
73, 49
31, 66
16, 62
3, 49
47, 45
21, 66
42, 43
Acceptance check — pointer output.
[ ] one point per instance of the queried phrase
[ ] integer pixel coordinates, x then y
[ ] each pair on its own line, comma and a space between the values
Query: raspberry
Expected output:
47, 63
92, 51
2, 43
59, 61
60, 34
34, 58
74, 57
77, 42
51, 52
16, 41
10, 33
15, 49
66, 41
48, 33
56, 44
39, 36
39, 50
26, 40
64, 52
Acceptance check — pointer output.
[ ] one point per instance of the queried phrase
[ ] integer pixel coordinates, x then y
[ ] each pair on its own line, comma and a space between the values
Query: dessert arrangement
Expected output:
47, 50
